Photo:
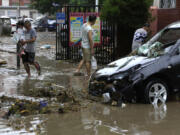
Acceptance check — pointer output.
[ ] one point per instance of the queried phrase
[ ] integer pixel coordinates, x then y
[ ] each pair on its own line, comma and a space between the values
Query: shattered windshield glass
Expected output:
149, 50
160, 44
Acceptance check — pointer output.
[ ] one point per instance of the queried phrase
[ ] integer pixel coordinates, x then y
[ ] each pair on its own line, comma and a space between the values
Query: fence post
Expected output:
116, 43
106, 52
18, 58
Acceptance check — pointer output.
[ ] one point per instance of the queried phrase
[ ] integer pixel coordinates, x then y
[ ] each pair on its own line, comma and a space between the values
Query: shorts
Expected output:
86, 54
29, 57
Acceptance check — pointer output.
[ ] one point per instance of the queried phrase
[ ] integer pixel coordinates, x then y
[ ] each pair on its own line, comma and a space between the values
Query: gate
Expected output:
104, 53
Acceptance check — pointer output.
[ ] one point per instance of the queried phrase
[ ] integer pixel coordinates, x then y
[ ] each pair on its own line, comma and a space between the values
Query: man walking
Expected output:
30, 44
140, 37
87, 44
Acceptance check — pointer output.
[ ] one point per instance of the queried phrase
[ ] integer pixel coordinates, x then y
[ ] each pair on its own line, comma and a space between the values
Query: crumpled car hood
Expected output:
123, 65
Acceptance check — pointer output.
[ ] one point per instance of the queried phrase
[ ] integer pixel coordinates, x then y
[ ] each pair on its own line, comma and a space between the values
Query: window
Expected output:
166, 36
26, 4
179, 49
169, 35
5, 2
165, 3
15, 4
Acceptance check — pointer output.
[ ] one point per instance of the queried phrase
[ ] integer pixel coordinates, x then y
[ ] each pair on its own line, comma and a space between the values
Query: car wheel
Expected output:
156, 91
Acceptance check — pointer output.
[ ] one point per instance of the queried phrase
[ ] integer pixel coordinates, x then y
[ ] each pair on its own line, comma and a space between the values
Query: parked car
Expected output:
40, 24
6, 28
34, 25
149, 74
13, 25
28, 19
52, 25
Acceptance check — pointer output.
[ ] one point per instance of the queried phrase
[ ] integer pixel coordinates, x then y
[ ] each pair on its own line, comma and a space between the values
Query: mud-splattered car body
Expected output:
127, 78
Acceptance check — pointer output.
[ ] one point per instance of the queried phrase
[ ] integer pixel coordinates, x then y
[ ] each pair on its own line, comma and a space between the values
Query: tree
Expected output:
128, 16
45, 6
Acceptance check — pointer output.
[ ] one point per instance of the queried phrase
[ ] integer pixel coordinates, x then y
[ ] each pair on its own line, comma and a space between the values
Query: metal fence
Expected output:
104, 53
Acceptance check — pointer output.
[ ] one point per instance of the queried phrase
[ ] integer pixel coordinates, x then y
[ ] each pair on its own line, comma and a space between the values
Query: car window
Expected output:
170, 35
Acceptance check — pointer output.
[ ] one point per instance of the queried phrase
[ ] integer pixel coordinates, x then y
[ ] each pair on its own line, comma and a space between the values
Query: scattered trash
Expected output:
115, 103
93, 63
52, 98
24, 108
61, 108
2, 62
43, 104
106, 97
46, 47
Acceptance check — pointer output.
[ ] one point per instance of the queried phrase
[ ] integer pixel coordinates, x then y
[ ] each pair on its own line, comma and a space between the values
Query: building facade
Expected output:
164, 12
15, 8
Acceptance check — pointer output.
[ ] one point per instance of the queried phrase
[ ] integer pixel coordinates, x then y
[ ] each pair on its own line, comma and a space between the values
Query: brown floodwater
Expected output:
134, 119
96, 119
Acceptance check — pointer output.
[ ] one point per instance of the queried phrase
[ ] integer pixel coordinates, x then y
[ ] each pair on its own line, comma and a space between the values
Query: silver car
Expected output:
6, 25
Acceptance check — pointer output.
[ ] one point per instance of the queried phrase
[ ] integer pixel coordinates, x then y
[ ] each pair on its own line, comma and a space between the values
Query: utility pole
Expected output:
19, 13
97, 4
18, 47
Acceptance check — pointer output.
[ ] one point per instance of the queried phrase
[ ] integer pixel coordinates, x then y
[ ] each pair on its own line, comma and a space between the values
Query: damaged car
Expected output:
149, 74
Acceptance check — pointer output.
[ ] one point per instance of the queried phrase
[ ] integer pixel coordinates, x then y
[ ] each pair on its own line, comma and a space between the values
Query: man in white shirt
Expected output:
140, 36
87, 44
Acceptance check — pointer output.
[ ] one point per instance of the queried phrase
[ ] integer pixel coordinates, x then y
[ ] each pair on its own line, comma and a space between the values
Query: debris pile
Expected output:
53, 93
52, 99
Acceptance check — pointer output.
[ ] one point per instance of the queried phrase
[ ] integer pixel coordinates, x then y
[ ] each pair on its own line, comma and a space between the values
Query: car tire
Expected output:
156, 91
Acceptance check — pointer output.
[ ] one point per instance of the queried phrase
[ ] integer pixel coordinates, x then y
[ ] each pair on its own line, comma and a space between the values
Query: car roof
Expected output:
6, 17
28, 19
174, 25
13, 21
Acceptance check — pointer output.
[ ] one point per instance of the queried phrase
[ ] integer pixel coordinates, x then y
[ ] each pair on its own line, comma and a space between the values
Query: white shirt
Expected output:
139, 38
85, 39
20, 31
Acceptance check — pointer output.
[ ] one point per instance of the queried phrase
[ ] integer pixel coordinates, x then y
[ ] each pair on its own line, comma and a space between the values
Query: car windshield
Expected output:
160, 44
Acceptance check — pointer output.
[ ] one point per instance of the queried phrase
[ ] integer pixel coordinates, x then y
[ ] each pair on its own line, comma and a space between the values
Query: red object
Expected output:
164, 17
22, 2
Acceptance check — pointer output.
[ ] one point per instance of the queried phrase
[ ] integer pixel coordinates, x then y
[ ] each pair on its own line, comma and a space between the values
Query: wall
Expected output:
12, 6
22, 2
163, 17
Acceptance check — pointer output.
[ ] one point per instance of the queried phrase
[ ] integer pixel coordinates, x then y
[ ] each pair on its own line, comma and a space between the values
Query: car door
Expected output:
175, 67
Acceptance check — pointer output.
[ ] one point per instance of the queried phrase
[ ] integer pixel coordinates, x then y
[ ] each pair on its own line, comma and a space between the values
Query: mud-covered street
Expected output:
88, 117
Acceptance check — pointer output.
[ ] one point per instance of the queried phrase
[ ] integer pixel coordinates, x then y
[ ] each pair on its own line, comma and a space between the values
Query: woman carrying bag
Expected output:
87, 45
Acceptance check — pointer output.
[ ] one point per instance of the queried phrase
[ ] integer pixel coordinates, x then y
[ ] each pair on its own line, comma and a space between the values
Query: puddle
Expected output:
99, 119
94, 119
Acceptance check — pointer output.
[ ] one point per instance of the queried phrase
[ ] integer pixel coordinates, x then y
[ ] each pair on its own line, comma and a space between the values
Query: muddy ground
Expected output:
91, 118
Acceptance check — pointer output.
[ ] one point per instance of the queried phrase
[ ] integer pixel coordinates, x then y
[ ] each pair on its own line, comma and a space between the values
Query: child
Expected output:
20, 32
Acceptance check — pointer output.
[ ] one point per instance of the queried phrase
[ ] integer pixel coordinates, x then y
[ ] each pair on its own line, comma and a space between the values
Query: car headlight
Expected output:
119, 76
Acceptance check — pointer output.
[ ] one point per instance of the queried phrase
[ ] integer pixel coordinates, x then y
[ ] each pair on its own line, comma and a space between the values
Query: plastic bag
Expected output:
81, 52
93, 63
